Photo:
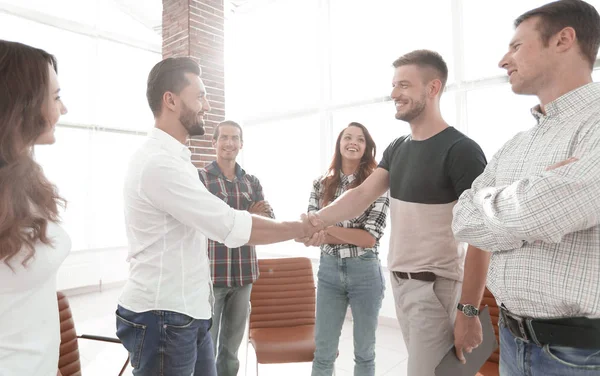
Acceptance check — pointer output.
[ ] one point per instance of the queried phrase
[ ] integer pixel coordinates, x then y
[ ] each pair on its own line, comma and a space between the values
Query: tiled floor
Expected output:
94, 314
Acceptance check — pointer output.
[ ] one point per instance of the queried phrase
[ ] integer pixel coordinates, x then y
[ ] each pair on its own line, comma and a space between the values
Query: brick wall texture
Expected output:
195, 28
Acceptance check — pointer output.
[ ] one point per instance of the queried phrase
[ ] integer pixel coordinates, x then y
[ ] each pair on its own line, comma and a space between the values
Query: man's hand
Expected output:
268, 208
260, 208
563, 163
317, 240
467, 335
314, 230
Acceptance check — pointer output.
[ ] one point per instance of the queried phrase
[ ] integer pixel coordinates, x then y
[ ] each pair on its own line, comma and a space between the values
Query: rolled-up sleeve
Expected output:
376, 216
315, 197
177, 191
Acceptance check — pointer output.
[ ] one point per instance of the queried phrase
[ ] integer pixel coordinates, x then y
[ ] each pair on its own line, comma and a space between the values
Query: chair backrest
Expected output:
490, 301
68, 362
284, 294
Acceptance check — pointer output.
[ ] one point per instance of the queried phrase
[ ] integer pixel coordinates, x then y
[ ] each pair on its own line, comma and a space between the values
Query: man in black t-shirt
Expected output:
426, 172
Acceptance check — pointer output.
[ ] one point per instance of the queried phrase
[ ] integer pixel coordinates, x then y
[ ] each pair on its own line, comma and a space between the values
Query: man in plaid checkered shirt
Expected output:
536, 207
233, 269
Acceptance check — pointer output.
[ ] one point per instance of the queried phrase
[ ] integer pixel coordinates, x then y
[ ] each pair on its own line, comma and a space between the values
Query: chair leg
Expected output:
124, 366
257, 367
247, 338
246, 364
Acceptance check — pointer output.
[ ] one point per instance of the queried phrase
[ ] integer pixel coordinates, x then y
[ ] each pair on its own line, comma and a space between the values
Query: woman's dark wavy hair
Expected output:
27, 199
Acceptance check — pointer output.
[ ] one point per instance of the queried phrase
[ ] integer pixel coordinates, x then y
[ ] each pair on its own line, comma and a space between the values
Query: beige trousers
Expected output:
426, 313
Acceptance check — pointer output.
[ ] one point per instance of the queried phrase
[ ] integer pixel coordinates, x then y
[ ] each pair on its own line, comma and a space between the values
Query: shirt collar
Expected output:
170, 144
570, 103
215, 170
347, 179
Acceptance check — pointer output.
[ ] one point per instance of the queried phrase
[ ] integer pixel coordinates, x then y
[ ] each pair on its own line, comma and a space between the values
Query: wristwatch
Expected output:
468, 310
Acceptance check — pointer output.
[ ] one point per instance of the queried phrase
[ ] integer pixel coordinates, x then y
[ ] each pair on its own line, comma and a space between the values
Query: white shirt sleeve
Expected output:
173, 188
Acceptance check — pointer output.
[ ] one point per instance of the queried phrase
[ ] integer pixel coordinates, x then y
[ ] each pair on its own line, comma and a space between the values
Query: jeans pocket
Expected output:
177, 320
369, 256
585, 359
181, 331
132, 337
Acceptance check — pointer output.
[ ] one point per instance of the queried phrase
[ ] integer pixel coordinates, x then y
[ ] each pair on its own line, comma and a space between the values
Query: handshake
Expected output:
313, 229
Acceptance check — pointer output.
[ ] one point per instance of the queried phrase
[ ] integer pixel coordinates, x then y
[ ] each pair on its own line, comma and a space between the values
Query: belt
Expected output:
576, 332
421, 276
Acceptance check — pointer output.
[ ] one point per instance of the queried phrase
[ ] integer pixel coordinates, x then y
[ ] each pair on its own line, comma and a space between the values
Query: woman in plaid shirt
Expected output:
349, 270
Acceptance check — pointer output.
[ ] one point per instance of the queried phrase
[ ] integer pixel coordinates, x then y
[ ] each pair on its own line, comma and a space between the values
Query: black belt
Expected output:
421, 276
576, 332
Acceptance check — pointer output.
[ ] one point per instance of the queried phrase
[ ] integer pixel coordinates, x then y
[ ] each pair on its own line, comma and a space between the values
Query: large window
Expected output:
338, 65
284, 155
66, 165
496, 114
367, 38
488, 29
272, 64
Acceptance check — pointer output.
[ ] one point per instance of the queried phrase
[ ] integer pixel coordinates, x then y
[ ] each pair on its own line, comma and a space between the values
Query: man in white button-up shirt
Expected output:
165, 309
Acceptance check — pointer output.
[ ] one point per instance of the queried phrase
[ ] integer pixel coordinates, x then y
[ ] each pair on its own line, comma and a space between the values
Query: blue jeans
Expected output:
357, 281
165, 343
519, 358
229, 322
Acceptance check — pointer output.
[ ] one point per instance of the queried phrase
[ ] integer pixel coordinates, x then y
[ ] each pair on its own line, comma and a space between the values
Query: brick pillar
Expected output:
195, 28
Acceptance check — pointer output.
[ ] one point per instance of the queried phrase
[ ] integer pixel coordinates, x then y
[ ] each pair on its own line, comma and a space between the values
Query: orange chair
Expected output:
68, 361
491, 367
282, 316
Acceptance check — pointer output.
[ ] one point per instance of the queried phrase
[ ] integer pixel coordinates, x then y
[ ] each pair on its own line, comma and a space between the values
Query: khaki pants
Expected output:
426, 313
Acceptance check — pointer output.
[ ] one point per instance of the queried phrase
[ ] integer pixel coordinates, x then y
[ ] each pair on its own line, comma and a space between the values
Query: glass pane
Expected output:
75, 65
284, 156
120, 91
67, 165
496, 114
82, 11
110, 153
271, 58
366, 39
110, 17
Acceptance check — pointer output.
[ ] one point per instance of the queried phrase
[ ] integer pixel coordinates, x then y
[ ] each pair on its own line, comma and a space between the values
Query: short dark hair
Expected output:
425, 59
168, 75
230, 123
581, 16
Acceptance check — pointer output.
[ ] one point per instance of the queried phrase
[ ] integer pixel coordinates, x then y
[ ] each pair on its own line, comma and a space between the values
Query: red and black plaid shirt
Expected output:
232, 267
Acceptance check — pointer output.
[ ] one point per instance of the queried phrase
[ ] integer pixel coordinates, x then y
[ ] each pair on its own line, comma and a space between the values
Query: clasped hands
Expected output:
314, 230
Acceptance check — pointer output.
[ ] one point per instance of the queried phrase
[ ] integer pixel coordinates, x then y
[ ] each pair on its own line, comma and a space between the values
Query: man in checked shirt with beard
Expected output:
233, 269
536, 207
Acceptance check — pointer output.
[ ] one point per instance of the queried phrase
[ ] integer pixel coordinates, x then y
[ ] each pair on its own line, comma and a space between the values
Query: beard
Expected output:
192, 121
414, 112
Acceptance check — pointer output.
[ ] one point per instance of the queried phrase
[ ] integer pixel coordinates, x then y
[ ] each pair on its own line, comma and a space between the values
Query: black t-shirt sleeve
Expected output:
466, 161
386, 158
388, 154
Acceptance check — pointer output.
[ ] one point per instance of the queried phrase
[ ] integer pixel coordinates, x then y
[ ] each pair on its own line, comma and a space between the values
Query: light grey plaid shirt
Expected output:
543, 227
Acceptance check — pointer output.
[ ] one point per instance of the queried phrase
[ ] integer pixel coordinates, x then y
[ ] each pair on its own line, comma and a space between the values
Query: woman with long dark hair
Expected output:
32, 244
349, 269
